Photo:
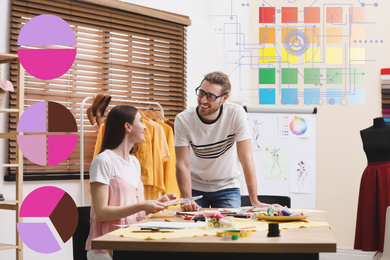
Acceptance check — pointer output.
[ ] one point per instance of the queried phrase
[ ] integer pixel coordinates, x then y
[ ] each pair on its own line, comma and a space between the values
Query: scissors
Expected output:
182, 201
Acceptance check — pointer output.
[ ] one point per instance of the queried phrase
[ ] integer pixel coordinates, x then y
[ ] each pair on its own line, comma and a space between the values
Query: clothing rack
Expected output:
82, 134
82, 147
141, 102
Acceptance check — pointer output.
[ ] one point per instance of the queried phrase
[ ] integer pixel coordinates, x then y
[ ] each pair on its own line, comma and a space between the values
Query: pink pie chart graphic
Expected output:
47, 62
56, 205
47, 133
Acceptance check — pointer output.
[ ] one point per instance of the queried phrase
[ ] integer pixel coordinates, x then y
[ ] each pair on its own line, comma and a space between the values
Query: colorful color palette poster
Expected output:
300, 53
312, 53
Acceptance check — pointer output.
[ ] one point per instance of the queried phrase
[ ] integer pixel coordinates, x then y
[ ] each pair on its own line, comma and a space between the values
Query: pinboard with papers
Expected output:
284, 151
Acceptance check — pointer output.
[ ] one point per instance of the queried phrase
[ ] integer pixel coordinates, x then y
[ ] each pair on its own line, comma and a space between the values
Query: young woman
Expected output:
115, 178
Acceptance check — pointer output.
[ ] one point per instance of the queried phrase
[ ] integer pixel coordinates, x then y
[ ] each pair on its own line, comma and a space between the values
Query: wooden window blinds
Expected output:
131, 52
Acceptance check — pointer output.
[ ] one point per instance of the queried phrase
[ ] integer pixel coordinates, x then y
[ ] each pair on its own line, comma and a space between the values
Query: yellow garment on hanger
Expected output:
170, 165
160, 133
159, 176
155, 156
145, 157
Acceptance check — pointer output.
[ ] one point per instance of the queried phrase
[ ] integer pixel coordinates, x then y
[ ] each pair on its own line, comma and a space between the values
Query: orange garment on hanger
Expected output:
99, 139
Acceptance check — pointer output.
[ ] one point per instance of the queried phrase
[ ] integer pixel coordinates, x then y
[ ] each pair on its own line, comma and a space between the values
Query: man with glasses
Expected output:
208, 140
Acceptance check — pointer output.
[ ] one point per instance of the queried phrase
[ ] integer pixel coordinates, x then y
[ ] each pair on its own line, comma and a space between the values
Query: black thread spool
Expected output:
273, 230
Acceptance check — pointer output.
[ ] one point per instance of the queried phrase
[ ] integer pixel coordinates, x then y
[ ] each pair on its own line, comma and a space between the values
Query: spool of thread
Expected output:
273, 230
226, 222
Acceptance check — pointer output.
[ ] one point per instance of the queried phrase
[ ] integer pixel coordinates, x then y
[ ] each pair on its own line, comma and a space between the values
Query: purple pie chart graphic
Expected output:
49, 62
56, 205
47, 133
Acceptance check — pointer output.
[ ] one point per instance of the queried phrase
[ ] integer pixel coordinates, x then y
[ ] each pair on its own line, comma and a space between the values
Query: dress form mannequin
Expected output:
374, 195
376, 141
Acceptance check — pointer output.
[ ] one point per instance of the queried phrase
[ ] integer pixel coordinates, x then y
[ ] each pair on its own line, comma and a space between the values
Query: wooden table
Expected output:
302, 243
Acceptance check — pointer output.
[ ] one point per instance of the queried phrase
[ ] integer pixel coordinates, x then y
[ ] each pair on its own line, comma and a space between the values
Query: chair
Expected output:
271, 199
81, 234
386, 245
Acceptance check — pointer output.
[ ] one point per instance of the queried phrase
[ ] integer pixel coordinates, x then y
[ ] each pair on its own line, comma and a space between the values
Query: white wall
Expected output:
340, 157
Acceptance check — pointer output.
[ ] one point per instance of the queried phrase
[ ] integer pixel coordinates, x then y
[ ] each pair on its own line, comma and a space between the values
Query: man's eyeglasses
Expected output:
210, 97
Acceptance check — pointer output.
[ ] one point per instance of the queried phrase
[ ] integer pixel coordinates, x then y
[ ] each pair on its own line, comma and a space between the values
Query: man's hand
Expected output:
190, 206
259, 204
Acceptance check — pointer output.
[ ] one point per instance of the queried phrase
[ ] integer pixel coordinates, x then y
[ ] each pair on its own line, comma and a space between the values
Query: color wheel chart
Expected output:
53, 215
47, 133
299, 52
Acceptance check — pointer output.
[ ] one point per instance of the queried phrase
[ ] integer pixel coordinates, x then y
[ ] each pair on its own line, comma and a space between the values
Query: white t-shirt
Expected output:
106, 164
213, 146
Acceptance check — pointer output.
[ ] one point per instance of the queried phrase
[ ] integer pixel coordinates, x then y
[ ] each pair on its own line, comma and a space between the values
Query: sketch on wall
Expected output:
276, 161
300, 177
258, 128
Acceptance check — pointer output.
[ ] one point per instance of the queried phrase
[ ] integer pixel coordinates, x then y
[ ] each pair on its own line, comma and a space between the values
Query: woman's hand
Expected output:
153, 206
167, 197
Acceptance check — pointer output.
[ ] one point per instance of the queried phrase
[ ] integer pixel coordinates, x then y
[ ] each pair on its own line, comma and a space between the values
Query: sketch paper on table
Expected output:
301, 173
276, 163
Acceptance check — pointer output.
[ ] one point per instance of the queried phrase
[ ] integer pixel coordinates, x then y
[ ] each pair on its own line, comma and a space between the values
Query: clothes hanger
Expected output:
158, 114
148, 113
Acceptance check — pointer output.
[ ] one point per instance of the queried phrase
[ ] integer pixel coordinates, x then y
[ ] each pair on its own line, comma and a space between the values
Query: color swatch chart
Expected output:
311, 53
56, 209
47, 133
299, 52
